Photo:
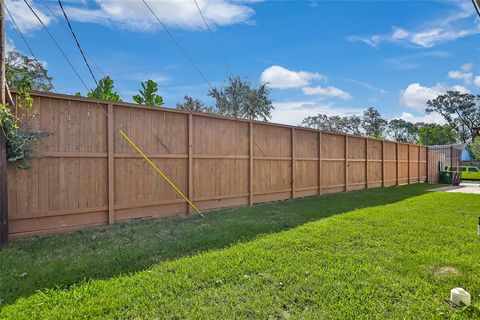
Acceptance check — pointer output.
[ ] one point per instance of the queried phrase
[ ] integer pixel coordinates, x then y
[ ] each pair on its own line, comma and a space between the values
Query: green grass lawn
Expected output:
385, 253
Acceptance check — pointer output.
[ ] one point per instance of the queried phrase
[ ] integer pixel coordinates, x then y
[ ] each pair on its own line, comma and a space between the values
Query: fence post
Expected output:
111, 166
398, 163
366, 163
3, 191
3, 145
293, 163
383, 163
346, 163
427, 167
190, 160
250, 166
418, 170
451, 155
408, 157
319, 162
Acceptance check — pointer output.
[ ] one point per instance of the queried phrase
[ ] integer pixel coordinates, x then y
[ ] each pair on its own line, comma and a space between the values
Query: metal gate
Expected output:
446, 155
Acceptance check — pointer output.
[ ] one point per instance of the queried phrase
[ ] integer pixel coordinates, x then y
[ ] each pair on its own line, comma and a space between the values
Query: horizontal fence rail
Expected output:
86, 174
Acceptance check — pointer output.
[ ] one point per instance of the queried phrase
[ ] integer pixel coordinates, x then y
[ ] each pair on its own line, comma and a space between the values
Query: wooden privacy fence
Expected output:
86, 174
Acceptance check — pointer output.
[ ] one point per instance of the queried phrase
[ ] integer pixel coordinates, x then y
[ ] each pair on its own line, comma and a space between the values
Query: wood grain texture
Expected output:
319, 143
190, 160
250, 164
87, 174
293, 165
111, 167
4, 213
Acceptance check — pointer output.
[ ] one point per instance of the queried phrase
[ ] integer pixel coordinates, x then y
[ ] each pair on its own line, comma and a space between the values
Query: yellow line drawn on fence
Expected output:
159, 171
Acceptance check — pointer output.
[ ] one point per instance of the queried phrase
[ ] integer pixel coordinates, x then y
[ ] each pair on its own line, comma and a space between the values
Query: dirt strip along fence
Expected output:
86, 174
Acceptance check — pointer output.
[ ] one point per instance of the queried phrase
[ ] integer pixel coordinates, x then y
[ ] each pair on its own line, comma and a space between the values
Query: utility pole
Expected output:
3, 145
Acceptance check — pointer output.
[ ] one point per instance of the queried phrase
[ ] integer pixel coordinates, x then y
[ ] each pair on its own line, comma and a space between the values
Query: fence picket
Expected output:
219, 162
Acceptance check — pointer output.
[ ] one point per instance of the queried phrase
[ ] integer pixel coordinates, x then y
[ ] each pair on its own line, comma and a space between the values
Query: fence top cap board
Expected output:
134, 105
79, 179
458, 146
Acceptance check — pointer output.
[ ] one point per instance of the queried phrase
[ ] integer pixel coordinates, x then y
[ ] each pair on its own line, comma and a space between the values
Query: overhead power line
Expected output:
214, 39
57, 45
86, 54
178, 45
19, 32
476, 4
96, 65
48, 8
78, 43
122, 133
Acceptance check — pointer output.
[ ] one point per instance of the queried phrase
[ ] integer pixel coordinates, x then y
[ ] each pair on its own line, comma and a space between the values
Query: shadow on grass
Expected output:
28, 265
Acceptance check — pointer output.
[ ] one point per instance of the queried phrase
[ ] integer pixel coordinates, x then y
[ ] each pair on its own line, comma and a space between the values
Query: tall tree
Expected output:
475, 147
20, 69
193, 105
345, 125
105, 91
373, 123
239, 99
435, 134
353, 125
403, 131
460, 110
148, 94
319, 122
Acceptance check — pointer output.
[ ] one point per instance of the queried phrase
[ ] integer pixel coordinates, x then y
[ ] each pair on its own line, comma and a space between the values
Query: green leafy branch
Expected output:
148, 94
20, 143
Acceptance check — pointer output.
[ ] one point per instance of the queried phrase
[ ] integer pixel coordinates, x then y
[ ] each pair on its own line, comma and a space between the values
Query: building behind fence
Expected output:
86, 174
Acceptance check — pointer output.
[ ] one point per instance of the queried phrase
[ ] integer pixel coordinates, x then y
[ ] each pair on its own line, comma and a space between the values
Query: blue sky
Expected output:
333, 57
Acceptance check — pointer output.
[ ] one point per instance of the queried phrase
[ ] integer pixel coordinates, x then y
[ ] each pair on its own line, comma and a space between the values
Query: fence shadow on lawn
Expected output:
28, 265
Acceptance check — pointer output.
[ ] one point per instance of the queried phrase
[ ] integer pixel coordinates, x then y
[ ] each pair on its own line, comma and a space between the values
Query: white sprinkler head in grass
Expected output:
460, 297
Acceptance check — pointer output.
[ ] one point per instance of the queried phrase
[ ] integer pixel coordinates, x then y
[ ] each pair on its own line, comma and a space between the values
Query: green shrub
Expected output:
20, 143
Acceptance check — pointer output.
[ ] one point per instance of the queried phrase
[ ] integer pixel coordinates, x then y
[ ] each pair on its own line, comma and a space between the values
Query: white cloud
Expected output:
458, 88
458, 23
372, 41
476, 81
464, 73
400, 34
327, 92
459, 75
9, 45
24, 18
415, 95
466, 67
426, 118
368, 86
181, 14
295, 111
431, 37
282, 78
